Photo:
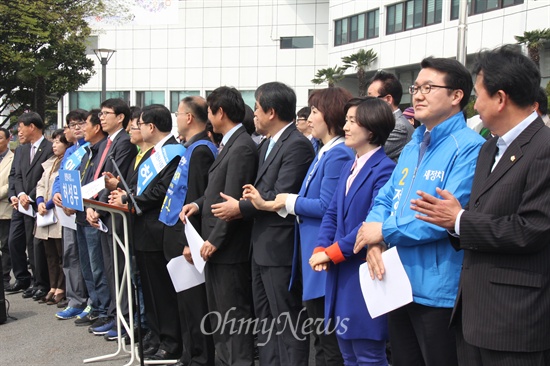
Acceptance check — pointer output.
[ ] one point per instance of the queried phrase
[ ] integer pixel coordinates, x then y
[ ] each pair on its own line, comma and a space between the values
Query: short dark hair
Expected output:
135, 112
542, 100
390, 85
6, 132
331, 102
198, 107
304, 112
29, 118
94, 119
507, 69
230, 100
76, 115
61, 134
278, 96
119, 106
374, 115
248, 120
456, 75
158, 115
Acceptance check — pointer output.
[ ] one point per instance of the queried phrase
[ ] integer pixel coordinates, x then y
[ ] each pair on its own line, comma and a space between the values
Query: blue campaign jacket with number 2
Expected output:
432, 264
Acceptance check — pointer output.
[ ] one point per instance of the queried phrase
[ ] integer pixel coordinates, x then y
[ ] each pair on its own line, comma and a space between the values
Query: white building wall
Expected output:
229, 42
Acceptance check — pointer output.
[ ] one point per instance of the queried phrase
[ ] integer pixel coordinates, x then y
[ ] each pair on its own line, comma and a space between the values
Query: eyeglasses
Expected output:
77, 124
178, 113
139, 124
426, 88
101, 114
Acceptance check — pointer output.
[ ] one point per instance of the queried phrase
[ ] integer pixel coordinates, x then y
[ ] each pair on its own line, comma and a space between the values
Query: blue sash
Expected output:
177, 190
73, 161
156, 162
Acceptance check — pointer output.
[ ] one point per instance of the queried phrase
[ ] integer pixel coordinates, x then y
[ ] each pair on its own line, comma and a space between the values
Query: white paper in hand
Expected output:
64, 220
195, 242
46, 220
394, 291
183, 274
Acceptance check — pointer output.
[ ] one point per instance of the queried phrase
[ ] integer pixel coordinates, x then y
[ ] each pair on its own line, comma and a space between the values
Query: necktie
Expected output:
33, 152
269, 148
220, 148
423, 146
103, 157
153, 151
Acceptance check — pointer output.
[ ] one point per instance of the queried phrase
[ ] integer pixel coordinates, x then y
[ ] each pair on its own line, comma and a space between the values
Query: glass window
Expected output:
345, 31
88, 100
482, 6
414, 14
177, 96
372, 23
249, 98
354, 31
356, 27
338, 32
433, 11
296, 42
145, 98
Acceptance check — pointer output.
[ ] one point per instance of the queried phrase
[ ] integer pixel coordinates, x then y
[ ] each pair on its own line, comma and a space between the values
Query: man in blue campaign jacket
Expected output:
442, 153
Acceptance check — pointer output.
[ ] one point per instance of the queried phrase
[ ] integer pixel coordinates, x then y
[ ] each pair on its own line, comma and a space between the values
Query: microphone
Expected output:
126, 188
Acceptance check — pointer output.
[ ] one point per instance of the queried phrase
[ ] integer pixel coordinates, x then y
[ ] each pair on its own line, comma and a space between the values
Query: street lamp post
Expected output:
104, 55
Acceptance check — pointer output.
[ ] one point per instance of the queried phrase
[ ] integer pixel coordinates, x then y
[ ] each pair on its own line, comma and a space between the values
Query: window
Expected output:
356, 28
145, 98
296, 42
89, 100
482, 6
413, 14
177, 96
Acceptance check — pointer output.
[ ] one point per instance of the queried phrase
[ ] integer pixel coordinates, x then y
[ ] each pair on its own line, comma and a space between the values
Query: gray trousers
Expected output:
75, 288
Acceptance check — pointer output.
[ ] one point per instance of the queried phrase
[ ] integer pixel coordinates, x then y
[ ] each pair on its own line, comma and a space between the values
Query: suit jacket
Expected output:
399, 137
504, 291
28, 174
199, 164
234, 167
148, 230
340, 224
5, 168
283, 172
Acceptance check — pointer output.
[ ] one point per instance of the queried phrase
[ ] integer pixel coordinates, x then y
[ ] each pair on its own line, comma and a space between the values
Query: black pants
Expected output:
420, 336
327, 351
6, 259
469, 355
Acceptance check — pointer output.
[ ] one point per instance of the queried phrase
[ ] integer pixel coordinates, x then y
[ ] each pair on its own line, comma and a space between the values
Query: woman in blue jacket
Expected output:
327, 120
362, 340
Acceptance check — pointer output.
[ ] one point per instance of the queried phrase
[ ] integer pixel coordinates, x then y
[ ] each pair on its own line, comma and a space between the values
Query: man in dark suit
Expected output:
115, 115
284, 161
227, 245
198, 346
27, 174
387, 87
159, 295
502, 310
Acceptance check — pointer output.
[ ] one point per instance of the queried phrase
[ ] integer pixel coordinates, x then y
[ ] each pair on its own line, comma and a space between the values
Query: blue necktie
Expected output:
269, 148
423, 146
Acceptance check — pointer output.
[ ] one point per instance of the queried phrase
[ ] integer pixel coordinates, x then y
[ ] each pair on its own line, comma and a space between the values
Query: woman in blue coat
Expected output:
327, 119
362, 340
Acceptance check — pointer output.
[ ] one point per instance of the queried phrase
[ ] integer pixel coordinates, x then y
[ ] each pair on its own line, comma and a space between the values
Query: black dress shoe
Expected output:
29, 292
18, 286
150, 351
38, 294
162, 355
181, 363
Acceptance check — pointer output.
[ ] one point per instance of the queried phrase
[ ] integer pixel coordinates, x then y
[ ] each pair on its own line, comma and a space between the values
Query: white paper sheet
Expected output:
184, 275
46, 220
29, 211
394, 291
93, 188
64, 220
102, 226
195, 242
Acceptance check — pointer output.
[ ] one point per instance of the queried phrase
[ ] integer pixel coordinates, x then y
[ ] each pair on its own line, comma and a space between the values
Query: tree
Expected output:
43, 52
534, 40
330, 75
360, 61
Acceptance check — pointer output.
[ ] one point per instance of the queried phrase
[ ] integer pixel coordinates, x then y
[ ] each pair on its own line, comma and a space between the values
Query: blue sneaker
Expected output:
112, 335
68, 313
104, 328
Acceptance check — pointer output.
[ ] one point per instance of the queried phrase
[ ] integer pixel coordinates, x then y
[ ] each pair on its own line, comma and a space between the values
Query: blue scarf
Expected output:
156, 162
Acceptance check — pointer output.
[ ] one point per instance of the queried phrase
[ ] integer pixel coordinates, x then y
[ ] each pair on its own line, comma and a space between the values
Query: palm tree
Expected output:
534, 40
331, 75
360, 60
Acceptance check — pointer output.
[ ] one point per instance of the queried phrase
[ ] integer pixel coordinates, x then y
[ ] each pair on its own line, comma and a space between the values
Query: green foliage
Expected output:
360, 61
534, 40
469, 109
43, 52
330, 75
